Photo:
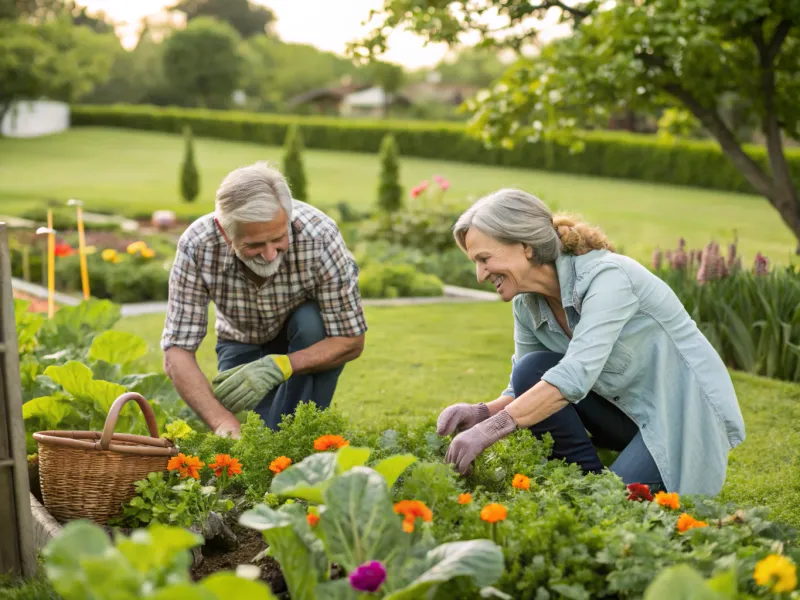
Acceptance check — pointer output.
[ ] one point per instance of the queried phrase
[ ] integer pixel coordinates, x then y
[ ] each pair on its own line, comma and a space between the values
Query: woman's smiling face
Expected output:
507, 266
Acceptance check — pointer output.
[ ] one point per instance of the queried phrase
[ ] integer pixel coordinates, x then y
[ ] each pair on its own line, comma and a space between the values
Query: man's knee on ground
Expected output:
529, 370
305, 326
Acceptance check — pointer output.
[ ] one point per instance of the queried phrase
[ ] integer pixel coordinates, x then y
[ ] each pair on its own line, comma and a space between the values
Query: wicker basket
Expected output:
89, 475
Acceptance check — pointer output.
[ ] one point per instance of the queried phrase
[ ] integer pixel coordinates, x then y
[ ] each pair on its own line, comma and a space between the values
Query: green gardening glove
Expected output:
243, 387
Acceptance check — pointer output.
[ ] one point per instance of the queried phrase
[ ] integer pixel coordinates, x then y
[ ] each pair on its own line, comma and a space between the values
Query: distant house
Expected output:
441, 93
371, 102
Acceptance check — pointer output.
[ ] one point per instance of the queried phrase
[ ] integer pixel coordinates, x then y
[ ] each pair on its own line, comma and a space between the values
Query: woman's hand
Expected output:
460, 417
466, 446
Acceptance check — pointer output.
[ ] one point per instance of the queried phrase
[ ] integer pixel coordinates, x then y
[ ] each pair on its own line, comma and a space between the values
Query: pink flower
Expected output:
368, 577
415, 192
760, 265
443, 183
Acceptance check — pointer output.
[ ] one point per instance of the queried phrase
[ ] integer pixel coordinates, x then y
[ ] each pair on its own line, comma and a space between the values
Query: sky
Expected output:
326, 24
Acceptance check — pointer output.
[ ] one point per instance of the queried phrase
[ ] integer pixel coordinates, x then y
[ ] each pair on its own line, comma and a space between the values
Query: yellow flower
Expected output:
90, 250
136, 247
110, 255
148, 253
776, 571
669, 500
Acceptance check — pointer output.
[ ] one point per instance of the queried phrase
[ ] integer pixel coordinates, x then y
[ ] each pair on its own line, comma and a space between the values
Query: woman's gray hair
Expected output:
251, 194
512, 216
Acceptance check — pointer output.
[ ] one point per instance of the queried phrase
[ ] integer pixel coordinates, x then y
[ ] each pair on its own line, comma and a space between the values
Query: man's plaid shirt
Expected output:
317, 266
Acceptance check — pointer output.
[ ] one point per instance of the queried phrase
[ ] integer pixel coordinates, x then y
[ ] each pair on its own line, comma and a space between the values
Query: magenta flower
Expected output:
443, 183
368, 577
760, 265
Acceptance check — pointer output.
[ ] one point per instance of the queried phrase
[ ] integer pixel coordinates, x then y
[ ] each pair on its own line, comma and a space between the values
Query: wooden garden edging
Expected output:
17, 548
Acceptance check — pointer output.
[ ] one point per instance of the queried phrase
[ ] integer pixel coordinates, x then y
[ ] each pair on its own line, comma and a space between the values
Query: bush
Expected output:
390, 193
397, 281
64, 219
293, 169
190, 178
606, 154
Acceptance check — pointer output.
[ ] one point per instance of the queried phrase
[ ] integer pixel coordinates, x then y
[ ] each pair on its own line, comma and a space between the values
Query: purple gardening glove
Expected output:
466, 446
460, 417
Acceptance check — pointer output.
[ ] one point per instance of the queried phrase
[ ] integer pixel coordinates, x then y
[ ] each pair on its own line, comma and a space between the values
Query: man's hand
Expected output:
228, 427
243, 387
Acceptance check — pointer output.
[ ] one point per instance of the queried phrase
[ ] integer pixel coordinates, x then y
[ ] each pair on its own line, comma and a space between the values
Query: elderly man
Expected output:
288, 308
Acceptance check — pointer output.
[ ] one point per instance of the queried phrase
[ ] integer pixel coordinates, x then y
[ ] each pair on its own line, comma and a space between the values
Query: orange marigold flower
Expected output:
669, 500
521, 482
224, 462
492, 513
464, 498
326, 442
187, 466
280, 464
412, 509
408, 526
687, 522
312, 519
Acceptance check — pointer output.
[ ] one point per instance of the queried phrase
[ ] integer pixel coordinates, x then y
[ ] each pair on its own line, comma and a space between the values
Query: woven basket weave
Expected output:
90, 475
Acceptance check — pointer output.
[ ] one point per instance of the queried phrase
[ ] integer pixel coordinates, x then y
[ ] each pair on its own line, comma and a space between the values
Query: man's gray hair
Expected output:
512, 216
251, 194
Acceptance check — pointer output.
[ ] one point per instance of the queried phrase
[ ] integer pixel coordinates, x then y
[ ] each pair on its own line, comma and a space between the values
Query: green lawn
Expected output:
419, 359
135, 172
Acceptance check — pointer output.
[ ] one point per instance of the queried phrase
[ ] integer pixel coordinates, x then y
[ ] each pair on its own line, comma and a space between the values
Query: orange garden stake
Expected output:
81, 247
51, 263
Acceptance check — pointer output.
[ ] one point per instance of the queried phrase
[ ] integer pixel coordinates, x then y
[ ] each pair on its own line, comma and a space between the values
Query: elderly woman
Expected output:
601, 345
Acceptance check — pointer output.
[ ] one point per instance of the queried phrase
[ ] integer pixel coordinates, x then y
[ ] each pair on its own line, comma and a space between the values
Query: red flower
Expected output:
639, 492
64, 249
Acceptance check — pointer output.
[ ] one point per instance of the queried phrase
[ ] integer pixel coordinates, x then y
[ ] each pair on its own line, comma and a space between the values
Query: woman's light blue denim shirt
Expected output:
634, 344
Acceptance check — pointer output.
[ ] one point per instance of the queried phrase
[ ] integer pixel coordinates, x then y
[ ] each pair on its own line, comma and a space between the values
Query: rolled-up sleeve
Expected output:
187, 309
337, 291
607, 306
525, 342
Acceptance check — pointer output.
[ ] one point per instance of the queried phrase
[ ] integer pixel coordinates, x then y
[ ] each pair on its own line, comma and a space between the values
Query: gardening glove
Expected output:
466, 446
243, 387
460, 417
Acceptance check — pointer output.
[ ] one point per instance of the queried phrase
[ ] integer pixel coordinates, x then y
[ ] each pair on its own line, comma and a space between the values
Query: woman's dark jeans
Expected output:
609, 427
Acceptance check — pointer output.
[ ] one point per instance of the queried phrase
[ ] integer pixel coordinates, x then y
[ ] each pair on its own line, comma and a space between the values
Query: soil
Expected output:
250, 544
37, 304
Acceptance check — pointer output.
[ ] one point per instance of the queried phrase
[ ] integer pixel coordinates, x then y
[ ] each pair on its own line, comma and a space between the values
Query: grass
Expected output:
135, 172
419, 359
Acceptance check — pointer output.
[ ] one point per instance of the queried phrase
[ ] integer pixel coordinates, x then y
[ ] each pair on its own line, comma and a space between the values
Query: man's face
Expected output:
261, 246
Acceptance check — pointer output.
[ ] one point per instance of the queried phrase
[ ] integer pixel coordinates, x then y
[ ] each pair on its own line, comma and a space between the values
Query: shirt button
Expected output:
616, 398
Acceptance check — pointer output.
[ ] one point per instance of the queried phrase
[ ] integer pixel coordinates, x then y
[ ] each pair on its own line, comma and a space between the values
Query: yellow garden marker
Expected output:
81, 247
51, 263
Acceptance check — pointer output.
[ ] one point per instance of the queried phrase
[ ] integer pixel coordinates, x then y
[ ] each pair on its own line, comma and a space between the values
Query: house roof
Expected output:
374, 97
324, 93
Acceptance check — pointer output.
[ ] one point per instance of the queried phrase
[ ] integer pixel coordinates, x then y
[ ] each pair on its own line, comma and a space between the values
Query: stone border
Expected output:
452, 294
45, 527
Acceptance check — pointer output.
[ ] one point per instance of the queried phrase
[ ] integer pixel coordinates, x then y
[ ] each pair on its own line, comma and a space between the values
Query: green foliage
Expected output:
248, 18
53, 59
293, 169
397, 281
28, 325
390, 192
190, 178
202, 62
83, 563
606, 154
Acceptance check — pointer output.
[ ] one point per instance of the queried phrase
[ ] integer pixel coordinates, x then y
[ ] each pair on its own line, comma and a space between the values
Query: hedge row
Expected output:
606, 154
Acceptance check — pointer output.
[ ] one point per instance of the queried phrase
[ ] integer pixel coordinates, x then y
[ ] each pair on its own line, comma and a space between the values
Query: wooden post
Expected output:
51, 266
81, 246
17, 550
26, 262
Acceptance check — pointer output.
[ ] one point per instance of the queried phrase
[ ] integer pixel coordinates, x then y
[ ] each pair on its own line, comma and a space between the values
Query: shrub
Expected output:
606, 154
190, 178
397, 281
389, 190
293, 164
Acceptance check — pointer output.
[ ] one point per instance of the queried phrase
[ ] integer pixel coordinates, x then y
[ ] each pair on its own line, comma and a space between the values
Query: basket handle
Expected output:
113, 415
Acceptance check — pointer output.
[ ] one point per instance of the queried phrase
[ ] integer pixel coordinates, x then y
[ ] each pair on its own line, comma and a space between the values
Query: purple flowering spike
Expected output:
368, 577
657, 257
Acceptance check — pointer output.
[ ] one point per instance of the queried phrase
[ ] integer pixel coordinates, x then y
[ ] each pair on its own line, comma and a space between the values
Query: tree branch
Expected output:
575, 12
774, 47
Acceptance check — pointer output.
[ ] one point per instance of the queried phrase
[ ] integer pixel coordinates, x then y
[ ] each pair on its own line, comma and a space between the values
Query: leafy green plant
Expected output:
293, 164
397, 281
28, 325
83, 563
190, 178
390, 192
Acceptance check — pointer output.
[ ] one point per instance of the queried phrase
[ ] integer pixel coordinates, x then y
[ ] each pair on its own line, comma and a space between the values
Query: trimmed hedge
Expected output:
606, 154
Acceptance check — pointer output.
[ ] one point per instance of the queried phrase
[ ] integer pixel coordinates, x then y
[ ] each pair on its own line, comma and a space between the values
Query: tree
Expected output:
202, 62
293, 169
390, 193
190, 178
54, 60
644, 55
246, 17
471, 66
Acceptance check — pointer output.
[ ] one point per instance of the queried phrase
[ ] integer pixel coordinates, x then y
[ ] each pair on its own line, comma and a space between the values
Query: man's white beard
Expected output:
260, 266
